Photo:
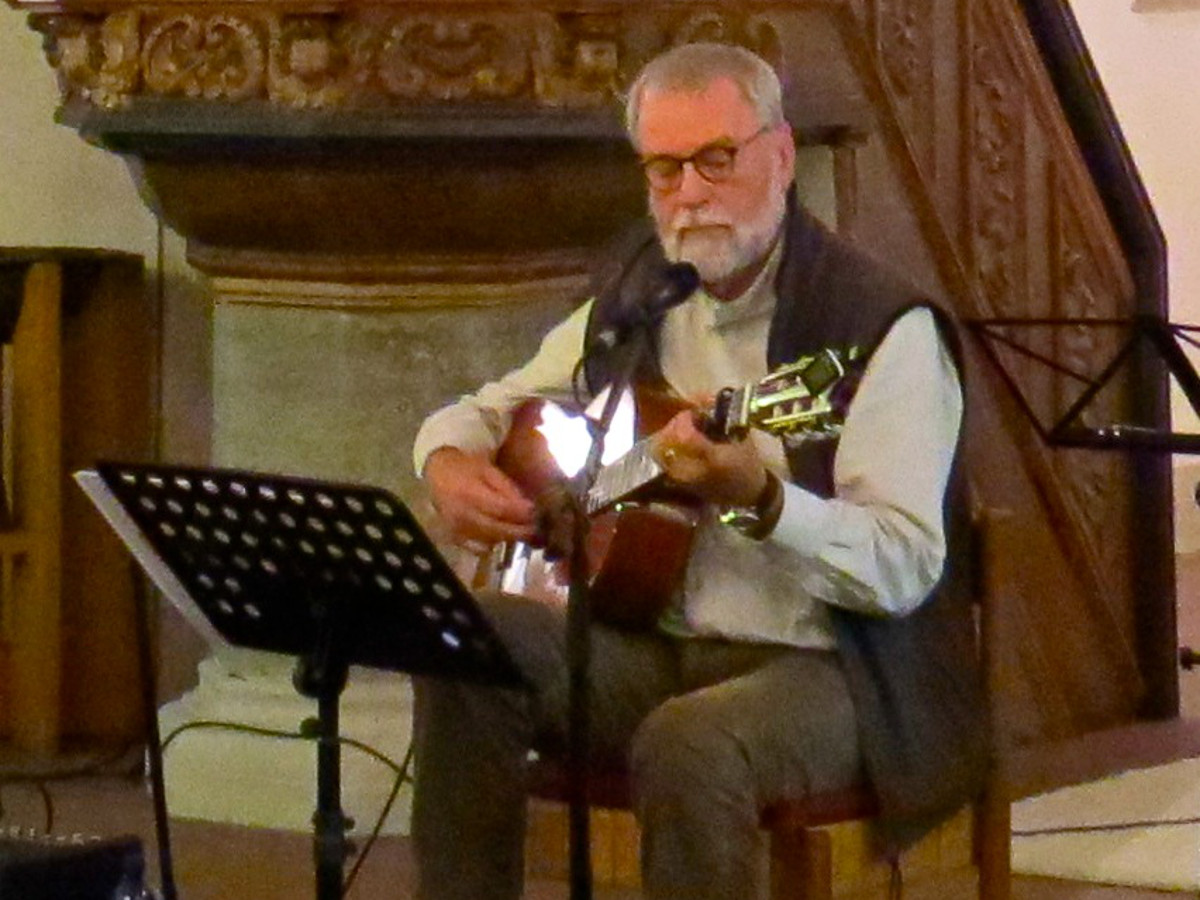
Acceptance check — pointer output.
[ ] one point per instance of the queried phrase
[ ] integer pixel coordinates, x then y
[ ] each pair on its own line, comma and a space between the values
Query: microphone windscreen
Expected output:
679, 281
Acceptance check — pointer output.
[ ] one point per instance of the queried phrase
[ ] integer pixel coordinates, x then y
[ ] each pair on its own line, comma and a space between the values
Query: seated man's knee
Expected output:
678, 748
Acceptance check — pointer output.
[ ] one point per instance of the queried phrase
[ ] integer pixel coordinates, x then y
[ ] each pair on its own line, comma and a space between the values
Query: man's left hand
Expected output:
725, 473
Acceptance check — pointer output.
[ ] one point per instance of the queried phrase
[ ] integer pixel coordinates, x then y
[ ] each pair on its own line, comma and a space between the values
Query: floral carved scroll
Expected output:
368, 57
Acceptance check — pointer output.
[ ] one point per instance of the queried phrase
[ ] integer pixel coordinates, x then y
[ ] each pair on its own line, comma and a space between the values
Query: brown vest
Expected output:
915, 679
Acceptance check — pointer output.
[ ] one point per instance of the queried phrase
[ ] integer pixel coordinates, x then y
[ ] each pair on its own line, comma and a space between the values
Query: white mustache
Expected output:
695, 219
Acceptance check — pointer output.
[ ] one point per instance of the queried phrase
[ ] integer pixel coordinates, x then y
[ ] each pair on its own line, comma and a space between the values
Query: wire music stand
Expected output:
1164, 340
1150, 337
333, 574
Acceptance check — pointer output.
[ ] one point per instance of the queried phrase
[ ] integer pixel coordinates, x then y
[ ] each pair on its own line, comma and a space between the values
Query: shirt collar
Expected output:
757, 301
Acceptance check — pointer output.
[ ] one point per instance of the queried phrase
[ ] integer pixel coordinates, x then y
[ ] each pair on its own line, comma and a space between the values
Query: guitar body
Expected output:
637, 552
525, 454
637, 557
641, 534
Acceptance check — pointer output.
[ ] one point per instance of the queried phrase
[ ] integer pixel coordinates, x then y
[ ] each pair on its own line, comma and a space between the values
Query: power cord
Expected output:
1112, 826
1188, 660
401, 770
301, 735
40, 779
401, 778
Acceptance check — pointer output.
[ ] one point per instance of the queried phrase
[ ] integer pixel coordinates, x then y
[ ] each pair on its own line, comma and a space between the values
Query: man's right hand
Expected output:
476, 500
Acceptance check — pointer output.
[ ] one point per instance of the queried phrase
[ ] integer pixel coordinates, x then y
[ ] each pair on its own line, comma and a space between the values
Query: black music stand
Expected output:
1164, 341
1146, 336
333, 574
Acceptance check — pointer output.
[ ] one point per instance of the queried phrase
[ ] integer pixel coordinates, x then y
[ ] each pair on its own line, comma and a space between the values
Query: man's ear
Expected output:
787, 150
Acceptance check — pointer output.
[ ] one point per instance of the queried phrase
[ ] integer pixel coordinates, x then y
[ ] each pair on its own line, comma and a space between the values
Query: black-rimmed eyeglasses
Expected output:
713, 162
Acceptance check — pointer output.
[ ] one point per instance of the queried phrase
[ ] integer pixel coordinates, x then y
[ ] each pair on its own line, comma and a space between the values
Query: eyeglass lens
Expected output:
712, 163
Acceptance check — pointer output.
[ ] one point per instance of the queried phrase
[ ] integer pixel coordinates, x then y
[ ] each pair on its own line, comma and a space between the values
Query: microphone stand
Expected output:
630, 343
634, 350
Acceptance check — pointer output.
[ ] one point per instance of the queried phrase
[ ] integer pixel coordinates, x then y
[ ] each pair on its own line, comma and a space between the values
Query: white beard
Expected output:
716, 246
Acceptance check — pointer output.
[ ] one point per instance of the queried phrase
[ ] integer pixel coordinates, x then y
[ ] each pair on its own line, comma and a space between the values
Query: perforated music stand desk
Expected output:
333, 574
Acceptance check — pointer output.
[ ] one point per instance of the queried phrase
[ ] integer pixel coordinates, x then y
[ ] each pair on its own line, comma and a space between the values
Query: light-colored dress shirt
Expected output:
875, 547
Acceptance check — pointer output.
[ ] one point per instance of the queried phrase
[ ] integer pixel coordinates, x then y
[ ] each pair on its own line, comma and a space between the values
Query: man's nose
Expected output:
693, 187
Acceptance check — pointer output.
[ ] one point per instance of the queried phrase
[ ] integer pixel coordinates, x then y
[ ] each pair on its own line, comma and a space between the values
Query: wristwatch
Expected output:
759, 520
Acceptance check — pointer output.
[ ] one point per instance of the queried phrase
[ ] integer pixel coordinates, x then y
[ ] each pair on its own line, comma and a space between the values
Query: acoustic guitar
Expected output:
641, 525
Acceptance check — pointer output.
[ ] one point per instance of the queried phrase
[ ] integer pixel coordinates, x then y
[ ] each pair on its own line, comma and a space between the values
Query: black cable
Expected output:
48, 803
399, 769
42, 779
401, 778
1112, 826
259, 731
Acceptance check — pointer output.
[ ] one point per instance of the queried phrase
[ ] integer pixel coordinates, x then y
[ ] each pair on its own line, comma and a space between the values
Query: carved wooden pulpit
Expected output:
477, 143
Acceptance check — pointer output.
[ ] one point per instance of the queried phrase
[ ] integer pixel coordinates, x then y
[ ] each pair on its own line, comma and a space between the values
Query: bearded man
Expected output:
812, 643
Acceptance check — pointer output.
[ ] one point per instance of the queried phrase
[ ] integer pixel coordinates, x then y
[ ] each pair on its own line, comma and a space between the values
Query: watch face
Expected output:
740, 516
759, 520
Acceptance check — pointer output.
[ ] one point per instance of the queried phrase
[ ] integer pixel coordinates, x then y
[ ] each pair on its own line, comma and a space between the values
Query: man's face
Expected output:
723, 227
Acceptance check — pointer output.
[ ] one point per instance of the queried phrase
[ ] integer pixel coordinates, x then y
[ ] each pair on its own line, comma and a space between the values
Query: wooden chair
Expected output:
802, 831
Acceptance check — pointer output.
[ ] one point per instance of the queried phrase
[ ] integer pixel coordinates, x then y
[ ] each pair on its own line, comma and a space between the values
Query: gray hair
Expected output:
693, 67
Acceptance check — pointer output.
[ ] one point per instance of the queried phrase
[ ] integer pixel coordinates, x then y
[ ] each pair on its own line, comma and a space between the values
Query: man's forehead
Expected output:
670, 120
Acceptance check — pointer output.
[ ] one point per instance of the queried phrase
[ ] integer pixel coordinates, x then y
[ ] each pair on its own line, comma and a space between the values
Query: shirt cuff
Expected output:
469, 440
804, 522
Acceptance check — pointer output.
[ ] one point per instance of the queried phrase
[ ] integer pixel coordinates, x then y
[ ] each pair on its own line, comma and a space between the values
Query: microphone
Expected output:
679, 281
674, 285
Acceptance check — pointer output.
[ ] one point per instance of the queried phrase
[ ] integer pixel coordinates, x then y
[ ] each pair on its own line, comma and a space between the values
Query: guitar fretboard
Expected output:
632, 471
797, 402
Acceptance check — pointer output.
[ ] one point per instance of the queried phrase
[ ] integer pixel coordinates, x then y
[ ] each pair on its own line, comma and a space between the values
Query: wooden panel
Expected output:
108, 363
974, 160
82, 357
33, 681
1031, 259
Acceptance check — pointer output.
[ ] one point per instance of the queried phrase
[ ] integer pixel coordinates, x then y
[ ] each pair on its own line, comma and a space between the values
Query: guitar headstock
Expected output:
805, 400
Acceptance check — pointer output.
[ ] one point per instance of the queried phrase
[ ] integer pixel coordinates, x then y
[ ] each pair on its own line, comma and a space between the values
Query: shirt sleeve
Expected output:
477, 423
878, 545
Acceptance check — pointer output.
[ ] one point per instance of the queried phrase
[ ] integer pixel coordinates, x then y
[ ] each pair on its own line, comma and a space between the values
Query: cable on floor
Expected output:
1111, 826
308, 733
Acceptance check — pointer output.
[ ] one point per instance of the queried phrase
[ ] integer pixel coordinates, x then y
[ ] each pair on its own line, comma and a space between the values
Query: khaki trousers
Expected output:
711, 730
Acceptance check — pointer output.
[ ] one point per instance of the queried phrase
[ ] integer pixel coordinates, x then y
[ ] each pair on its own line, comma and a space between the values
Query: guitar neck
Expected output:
799, 401
630, 473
